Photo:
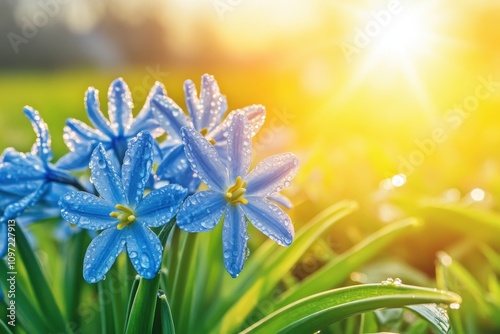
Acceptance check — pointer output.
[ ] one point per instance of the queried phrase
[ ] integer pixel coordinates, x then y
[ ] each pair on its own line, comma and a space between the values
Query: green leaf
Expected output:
26, 311
436, 316
265, 268
167, 322
318, 311
73, 274
4, 327
39, 284
337, 270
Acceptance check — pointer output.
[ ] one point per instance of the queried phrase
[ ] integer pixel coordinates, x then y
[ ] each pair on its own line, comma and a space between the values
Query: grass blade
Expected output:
320, 310
337, 270
167, 322
265, 269
26, 311
435, 316
39, 284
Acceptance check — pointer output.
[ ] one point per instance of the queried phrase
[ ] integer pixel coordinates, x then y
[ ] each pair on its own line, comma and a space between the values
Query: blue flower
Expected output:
122, 212
30, 180
236, 194
113, 134
206, 117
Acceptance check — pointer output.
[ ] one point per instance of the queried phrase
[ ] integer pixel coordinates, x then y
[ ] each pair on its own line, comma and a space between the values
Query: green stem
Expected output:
143, 308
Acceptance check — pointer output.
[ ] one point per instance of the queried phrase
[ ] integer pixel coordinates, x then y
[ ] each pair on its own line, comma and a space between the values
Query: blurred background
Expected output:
379, 99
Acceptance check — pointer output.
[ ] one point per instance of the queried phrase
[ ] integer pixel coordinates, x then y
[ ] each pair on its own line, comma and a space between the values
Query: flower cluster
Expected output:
138, 182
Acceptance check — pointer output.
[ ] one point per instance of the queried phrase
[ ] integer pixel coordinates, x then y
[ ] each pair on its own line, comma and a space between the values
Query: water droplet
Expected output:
145, 261
454, 306
101, 163
133, 255
127, 159
160, 293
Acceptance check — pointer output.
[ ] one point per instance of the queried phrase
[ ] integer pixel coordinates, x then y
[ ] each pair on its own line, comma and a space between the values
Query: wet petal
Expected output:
204, 159
78, 135
15, 209
94, 112
87, 211
175, 168
42, 144
119, 106
20, 177
270, 219
193, 103
239, 146
234, 240
169, 115
213, 103
76, 160
3, 238
256, 115
145, 120
102, 253
144, 250
136, 168
272, 175
160, 205
281, 200
201, 212
105, 178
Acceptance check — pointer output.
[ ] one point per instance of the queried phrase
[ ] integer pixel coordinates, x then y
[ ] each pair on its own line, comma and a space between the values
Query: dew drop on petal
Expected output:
145, 263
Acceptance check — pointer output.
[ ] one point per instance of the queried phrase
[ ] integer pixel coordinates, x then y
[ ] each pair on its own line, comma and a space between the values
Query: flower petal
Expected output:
105, 178
21, 178
201, 212
145, 119
270, 219
272, 174
234, 240
144, 250
94, 112
78, 135
175, 168
239, 147
87, 211
119, 106
213, 103
75, 160
136, 166
256, 115
3, 238
102, 253
15, 209
169, 115
193, 103
42, 144
204, 159
281, 200
160, 205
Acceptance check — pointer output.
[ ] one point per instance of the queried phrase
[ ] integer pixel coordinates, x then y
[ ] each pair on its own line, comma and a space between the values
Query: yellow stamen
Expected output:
204, 132
235, 193
125, 216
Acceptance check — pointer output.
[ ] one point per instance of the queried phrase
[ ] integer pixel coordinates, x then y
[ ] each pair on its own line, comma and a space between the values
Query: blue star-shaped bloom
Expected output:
236, 194
30, 180
122, 212
206, 116
113, 134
